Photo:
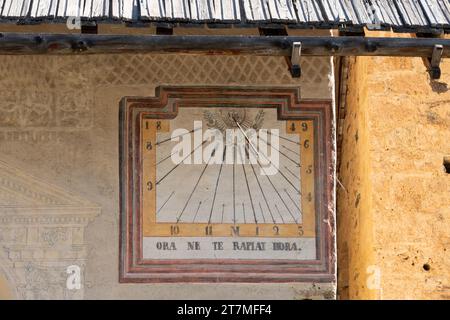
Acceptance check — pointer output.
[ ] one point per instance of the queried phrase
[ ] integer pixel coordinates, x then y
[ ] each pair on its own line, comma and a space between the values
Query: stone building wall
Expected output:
394, 202
354, 187
59, 134
59, 127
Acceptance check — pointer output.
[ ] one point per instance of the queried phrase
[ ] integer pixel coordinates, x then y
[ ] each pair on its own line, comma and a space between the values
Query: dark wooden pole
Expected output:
22, 43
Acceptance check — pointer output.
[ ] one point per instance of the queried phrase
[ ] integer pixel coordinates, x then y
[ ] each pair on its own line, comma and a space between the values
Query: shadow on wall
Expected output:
438, 87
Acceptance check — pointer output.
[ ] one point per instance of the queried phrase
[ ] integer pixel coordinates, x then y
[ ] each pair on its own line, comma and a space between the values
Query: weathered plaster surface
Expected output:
393, 216
59, 122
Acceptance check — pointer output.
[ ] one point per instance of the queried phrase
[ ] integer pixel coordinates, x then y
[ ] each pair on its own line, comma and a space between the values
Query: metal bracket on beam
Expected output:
435, 61
295, 68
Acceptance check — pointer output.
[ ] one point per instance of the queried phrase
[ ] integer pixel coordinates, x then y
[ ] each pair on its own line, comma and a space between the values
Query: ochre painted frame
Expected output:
132, 266
147, 176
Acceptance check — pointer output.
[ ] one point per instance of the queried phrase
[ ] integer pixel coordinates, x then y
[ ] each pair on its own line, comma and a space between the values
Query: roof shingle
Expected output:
410, 15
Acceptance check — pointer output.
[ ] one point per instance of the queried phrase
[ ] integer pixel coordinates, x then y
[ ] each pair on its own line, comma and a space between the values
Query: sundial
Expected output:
204, 199
219, 181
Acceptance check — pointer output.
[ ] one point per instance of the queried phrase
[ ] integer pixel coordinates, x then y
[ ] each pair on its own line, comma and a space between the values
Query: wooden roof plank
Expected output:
257, 11
195, 16
281, 10
61, 10
362, 10
35, 9
100, 8
387, 11
217, 10
396, 13
349, 12
231, 10
271, 8
370, 15
7, 8
10, 8
434, 12
419, 13
128, 9
444, 5
73, 8
143, 5
156, 9
116, 9
411, 13
329, 10
308, 11
86, 10
14, 8
45, 8
216, 7
53, 8
169, 9
176, 9
25, 8
199, 10
287, 9
107, 8
21, 9
333, 10
247, 10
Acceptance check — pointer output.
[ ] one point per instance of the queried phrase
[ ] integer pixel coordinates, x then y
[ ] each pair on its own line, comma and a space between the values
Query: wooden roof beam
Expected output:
21, 43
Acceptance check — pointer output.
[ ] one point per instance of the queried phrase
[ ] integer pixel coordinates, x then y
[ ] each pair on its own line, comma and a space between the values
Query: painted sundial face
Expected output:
243, 191
226, 184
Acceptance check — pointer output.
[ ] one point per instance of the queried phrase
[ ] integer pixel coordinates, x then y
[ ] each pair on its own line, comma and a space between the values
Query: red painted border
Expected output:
132, 268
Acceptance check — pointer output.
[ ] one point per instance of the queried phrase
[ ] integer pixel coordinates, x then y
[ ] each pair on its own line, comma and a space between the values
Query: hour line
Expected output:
282, 153
180, 135
215, 190
198, 208
195, 187
234, 187
262, 212
255, 151
279, 195
248, 188
284, 138
167, 200
263, 194
164, 159
289, 170
276, 207
295, 152
295, 204
176, 166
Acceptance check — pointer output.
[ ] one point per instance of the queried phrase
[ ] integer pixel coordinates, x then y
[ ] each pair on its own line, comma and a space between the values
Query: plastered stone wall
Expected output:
59, 132
394, 202
354, 221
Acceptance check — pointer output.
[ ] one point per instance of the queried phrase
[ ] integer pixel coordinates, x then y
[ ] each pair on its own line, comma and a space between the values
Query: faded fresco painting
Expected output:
63, 231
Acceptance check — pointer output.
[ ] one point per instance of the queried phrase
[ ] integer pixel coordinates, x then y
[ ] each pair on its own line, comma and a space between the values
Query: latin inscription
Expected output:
236, 245
229, 247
